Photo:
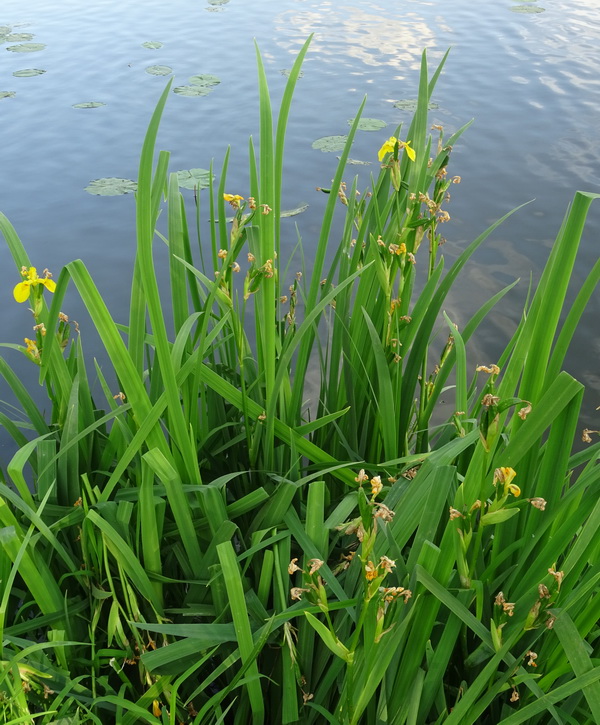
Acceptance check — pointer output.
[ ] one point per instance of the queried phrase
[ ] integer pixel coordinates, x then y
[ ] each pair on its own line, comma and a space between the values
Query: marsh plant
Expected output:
201, 545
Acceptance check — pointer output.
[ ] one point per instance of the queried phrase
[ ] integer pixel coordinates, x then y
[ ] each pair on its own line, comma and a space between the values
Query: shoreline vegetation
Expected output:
202, 546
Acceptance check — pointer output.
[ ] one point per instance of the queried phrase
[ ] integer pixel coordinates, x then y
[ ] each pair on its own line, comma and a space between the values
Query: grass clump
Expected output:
204, 547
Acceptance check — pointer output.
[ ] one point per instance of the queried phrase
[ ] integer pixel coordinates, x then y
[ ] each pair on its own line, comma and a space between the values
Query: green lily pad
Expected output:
218, 2
89, 104
159, 70
410, 104
293, 212
282, 214
356, 162
192, 90
286, 72
26, 47
18, 37
152, 44
194, 178
28, 72
204, 79
111, 187
330, 143
8, 94
368, 124
210, 9
527, 9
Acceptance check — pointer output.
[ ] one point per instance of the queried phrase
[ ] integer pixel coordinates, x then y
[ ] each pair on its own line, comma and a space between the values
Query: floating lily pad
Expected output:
194, 178
293, 212
211, 9
368, 124
410, 104
159, 70
286, 72
28, 72
152, 44
18, 37
330, 143
204, 79
282, 214
192, 90
527, 9
7, 94
111, 186
89, 104
26, 47
218, 2
356, 162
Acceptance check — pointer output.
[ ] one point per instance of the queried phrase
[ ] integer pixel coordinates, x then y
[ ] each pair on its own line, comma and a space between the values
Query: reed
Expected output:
202, 546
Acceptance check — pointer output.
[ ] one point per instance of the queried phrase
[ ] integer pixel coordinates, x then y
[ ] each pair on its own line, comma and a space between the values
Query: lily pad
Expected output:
211, 9
89, 104
293, 212
330, 143
192, 90
286, 72
8, 94
26, 47
410, 104
368, 124
152, 44
159, 70
194, 178
356, 162
204, 79
18, 37
527, 9
282, 214
111, 187
28, 72
218, 2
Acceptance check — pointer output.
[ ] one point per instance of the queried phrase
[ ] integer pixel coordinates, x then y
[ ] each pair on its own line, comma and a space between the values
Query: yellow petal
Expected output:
410, 152
514, 489
49, 284
387, 148
21, 291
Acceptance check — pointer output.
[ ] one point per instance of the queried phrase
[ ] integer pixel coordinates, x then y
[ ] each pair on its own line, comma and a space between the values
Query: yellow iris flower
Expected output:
389, 146
21, 290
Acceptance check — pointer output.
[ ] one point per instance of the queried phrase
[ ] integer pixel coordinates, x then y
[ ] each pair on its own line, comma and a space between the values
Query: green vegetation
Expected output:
203, 545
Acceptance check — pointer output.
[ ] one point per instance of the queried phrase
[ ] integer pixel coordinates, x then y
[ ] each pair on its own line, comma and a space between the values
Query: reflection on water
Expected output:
364, 33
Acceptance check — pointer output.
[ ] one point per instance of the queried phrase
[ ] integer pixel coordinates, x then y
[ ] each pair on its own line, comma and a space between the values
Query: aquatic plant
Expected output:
201, 545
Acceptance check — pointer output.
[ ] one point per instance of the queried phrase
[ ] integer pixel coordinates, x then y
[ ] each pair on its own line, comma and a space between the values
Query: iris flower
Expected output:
389, 147
21, 290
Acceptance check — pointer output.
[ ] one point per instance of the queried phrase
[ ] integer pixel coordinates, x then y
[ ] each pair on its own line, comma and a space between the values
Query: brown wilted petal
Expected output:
387, 564
524, 412
296, 592
538, 503
293, 567
490, 399
489, 369
383, 512
315, 565
362, 476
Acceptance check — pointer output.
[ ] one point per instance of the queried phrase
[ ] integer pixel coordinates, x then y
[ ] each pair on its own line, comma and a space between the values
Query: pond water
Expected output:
526, 72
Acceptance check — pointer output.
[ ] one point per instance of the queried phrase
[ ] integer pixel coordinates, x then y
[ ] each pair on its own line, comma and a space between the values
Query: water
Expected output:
530, 82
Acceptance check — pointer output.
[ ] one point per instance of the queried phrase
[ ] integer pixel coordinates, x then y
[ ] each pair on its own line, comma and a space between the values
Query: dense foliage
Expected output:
203, 545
